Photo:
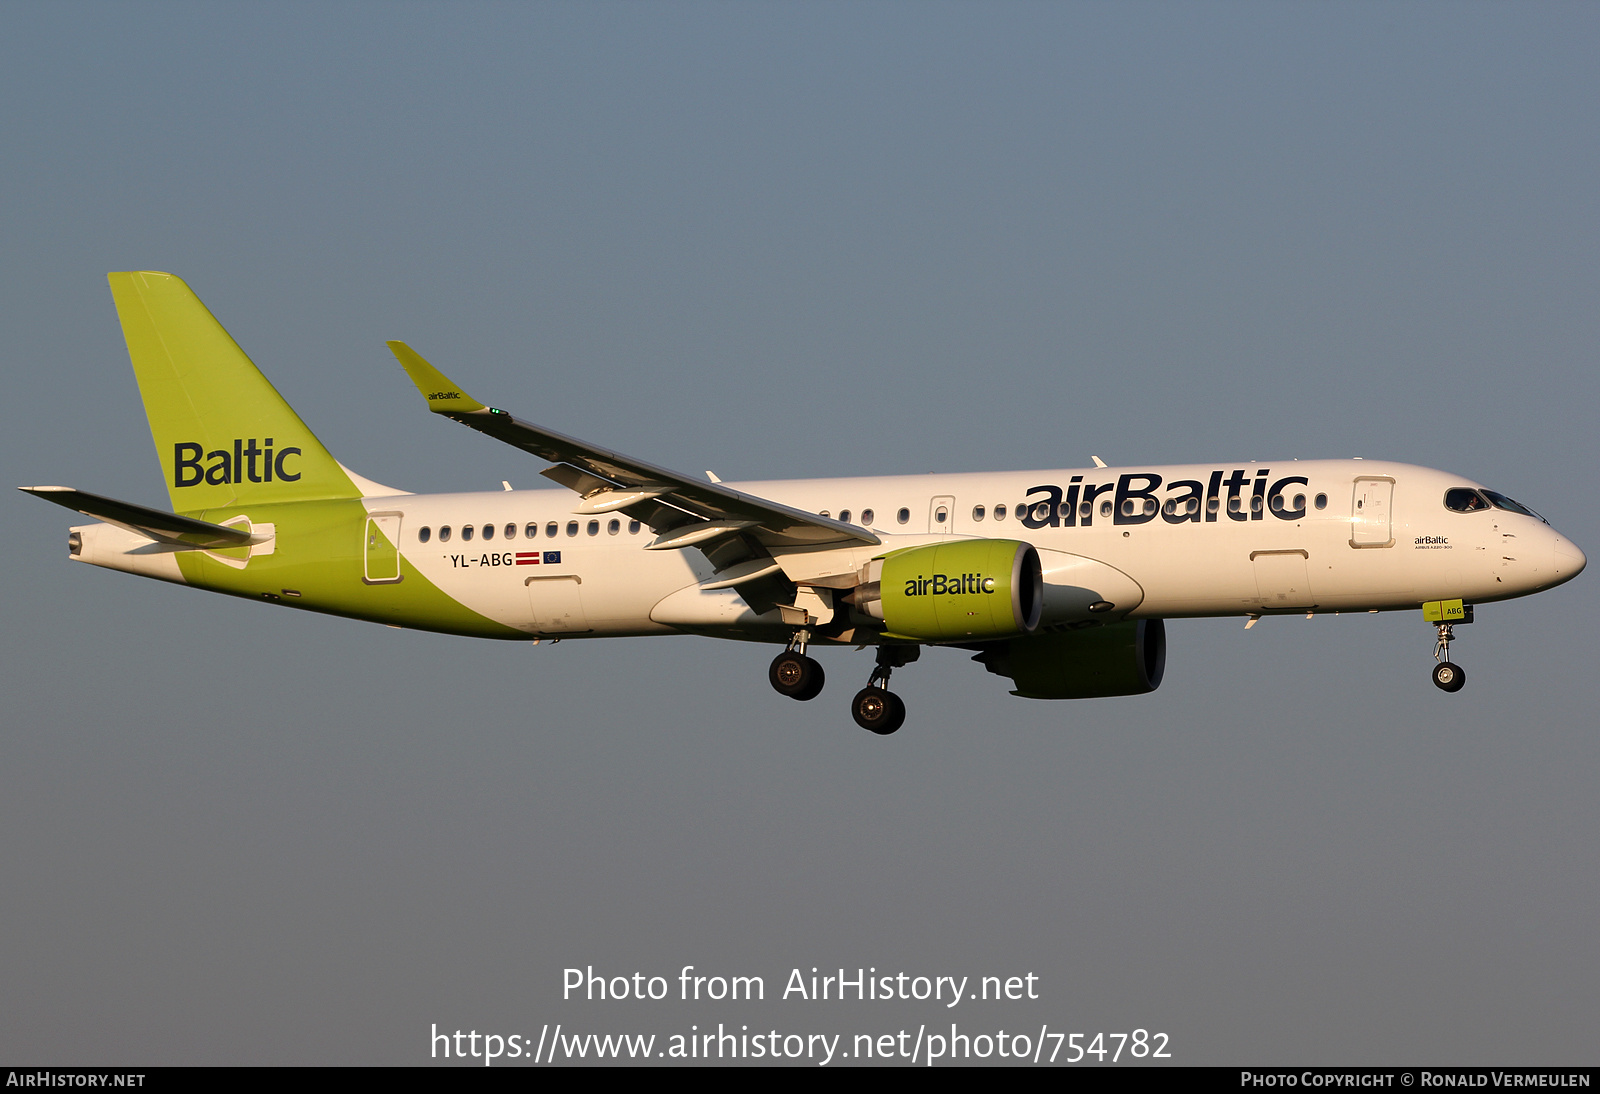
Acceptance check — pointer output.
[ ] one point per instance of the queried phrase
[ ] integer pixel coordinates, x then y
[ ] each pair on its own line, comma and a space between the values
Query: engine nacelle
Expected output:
963, 590
1125, 658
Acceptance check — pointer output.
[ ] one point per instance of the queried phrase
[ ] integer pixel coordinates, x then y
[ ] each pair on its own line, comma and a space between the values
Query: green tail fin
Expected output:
223, 433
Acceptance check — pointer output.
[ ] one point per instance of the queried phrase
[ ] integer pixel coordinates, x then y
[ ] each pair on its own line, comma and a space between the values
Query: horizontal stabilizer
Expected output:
162, 527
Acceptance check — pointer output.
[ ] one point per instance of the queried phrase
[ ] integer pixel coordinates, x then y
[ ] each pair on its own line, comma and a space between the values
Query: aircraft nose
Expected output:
1569, 559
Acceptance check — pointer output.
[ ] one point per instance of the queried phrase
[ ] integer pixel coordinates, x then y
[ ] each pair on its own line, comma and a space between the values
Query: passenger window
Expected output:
614, 527
444, 534
1277, 503
488, 531
1212, 505
1105, 509
424, 534
1192, 505
1255, 504
1000, 512
941, 515
1127, 507
531, 531
572, 527
826, 513
594, 528
551, 529
1300, 502
1234, 505
1169, 508
633, 527
1322, 501
466, 531
1086, 510
1149, 506
866, 516
511, 531
903, 516
844, 515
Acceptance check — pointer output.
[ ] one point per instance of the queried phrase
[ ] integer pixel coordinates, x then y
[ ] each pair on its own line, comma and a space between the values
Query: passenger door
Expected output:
382, 549
1371, 521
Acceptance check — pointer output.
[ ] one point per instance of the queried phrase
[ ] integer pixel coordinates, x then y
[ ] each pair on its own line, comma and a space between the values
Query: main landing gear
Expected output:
793, 673
1447, 675
875, 708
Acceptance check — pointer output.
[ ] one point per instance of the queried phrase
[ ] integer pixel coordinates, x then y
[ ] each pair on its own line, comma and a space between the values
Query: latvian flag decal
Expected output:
527, 558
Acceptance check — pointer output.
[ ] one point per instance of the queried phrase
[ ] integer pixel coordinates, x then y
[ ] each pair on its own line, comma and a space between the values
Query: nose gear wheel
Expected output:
1447, 675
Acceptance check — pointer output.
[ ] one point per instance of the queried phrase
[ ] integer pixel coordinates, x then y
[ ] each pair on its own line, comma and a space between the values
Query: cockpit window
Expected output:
1503, 502
1462, 500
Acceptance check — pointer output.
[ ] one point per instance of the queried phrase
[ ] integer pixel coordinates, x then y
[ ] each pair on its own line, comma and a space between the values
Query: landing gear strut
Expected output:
1447, 675
793, 673
876, 708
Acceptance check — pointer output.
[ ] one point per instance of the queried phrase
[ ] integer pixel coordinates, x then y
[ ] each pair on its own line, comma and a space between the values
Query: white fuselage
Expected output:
1252, 540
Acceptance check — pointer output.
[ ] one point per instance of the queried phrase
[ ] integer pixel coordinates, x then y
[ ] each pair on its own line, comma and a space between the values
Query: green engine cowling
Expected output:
962, 590
1127, 658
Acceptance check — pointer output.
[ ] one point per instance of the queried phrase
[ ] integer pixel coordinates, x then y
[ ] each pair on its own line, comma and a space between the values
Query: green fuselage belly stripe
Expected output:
319, 554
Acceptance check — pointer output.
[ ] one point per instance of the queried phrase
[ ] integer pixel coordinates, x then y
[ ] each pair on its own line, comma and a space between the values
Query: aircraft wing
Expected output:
169, 528
681, 510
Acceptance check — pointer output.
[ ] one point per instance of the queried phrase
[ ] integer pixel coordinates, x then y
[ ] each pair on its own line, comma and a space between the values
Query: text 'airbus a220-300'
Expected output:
1059, 580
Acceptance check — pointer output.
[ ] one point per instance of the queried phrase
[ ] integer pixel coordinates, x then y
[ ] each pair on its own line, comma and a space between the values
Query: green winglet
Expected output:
442, 393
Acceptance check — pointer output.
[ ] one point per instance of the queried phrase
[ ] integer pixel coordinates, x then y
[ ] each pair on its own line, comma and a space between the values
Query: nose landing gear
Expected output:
875, 708
1444, 615
1447, 675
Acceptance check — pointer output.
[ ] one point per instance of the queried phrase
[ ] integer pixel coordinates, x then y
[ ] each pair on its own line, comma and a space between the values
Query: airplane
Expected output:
1059, 580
